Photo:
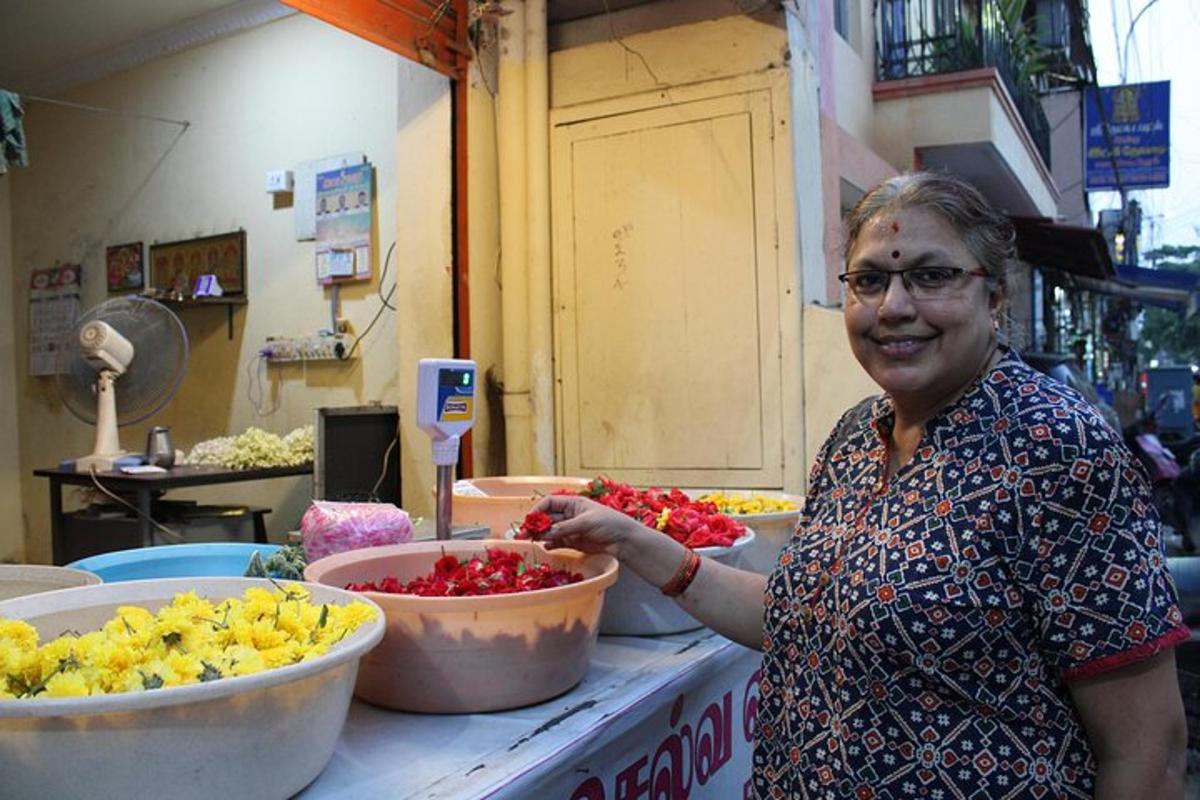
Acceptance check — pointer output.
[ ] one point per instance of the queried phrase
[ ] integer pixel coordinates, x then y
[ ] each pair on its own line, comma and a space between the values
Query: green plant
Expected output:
1030, 59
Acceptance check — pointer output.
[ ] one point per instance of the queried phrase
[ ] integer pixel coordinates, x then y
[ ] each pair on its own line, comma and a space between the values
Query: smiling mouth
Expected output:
901, 346
901, 340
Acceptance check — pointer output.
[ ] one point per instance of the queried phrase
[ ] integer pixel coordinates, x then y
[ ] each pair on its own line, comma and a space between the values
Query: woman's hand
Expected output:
587, 526
727, 600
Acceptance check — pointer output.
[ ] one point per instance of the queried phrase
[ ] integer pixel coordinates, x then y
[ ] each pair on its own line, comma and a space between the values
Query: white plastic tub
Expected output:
266, 735
19, 580
772, 530
635, 608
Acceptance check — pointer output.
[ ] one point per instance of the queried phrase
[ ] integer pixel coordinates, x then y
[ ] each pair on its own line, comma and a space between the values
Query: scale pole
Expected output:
445, 495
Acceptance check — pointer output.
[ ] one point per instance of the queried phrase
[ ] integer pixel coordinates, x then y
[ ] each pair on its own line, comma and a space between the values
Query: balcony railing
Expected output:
934, 37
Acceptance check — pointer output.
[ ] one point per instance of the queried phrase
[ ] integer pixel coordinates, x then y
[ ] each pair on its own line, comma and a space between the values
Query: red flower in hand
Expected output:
535, 526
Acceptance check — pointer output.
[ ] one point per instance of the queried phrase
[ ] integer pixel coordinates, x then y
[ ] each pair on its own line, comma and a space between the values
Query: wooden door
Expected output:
667, 341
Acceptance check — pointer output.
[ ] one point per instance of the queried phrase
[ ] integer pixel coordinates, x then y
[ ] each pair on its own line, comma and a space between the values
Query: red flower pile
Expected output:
689, 522
502, 572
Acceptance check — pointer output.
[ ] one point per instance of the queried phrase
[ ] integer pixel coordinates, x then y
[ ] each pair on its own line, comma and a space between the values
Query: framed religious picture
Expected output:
175, 267
123, 265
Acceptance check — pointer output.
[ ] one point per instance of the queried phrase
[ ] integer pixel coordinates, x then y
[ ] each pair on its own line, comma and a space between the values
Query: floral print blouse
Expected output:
921, 631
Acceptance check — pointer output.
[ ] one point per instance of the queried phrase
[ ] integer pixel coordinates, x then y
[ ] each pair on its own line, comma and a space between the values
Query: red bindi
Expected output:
895, 227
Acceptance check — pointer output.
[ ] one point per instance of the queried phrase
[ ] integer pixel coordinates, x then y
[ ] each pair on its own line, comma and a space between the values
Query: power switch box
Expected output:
280, 349
279, 181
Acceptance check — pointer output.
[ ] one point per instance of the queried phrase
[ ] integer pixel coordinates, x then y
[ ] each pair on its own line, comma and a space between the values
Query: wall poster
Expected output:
344, 224
123, 265
53, 309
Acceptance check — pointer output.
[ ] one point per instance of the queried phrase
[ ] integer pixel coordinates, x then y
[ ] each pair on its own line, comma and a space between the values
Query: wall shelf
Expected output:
229, 302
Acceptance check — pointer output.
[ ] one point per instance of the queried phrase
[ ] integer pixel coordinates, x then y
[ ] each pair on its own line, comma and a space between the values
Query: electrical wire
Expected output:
255, 367
383, 275
183, 123
172, 536
383, 305
374, 496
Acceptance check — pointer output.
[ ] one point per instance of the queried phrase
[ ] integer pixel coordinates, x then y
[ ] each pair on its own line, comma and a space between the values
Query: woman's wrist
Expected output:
651, 554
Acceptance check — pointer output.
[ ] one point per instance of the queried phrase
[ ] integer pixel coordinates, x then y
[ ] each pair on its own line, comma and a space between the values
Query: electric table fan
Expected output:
131, 340
445, 411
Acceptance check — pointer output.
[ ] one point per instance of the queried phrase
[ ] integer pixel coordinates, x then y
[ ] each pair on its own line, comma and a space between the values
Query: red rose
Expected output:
535, 526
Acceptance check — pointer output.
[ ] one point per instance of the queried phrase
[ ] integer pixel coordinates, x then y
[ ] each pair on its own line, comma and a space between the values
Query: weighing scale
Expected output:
445, 411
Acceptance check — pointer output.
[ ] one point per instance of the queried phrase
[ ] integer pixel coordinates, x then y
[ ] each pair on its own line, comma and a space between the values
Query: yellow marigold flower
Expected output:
17, 661
259, 602
241, 660
136, 616
753, 504
281, 656
184, 668
265, 636
56, 652
664, 517
19, 633
66, 684
349, 617
193, 604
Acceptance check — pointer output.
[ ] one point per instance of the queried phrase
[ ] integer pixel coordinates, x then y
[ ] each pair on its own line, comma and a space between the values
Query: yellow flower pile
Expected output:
753, 504
191, 640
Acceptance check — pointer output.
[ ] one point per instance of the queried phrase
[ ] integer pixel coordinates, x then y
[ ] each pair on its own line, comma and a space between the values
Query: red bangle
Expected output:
683, 576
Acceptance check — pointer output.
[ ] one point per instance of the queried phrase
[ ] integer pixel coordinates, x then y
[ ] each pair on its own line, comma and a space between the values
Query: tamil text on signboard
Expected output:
1127, 134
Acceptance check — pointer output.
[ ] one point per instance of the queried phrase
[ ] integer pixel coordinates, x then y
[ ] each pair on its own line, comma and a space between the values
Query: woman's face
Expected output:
922, 353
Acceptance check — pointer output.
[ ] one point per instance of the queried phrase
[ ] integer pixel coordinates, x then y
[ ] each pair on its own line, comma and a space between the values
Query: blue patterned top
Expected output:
921, 631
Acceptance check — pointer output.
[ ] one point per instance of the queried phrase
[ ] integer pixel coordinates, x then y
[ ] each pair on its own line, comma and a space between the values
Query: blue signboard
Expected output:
1135, 144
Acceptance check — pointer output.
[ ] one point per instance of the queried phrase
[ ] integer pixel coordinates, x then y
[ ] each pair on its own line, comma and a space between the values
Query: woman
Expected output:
975, 602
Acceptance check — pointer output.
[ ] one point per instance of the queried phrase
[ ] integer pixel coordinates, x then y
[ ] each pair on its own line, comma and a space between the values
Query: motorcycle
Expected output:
1174, 469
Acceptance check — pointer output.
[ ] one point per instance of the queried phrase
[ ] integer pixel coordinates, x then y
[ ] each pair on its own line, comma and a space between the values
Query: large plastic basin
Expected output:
18, 580
204, 560
633, 607
260, 736
473, 654
505, 500
772, 531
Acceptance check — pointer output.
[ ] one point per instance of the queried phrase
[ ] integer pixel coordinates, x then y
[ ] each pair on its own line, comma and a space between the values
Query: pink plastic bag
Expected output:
329, 527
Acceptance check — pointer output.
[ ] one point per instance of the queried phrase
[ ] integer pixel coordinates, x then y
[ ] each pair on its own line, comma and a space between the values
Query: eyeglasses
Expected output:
921, 283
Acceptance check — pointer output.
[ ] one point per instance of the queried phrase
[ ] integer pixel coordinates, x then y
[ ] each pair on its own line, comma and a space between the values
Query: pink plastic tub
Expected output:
457, 655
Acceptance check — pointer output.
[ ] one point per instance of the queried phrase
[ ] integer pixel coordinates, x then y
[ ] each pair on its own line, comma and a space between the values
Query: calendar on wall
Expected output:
53, 309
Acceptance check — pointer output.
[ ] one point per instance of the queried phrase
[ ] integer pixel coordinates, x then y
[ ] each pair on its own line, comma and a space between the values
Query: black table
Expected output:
145, 487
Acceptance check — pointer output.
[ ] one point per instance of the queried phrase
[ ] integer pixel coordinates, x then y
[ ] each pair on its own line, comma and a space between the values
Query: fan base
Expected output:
99, 463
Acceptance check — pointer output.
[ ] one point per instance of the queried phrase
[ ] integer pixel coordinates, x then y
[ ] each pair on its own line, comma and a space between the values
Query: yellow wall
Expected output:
658, 61
833, 379
483, 214
677, 56
12, 528
290, 91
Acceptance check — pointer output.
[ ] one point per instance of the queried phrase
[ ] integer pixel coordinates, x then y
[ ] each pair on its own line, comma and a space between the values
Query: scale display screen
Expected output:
458, 378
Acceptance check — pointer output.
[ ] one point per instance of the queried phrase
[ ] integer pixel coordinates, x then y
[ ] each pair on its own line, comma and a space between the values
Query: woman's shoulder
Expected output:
1048, 419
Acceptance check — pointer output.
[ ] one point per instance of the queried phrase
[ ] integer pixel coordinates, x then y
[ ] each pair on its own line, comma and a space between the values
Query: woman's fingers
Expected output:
558, 506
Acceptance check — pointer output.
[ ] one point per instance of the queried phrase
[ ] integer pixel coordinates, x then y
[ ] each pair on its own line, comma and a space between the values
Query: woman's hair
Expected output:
987, 233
